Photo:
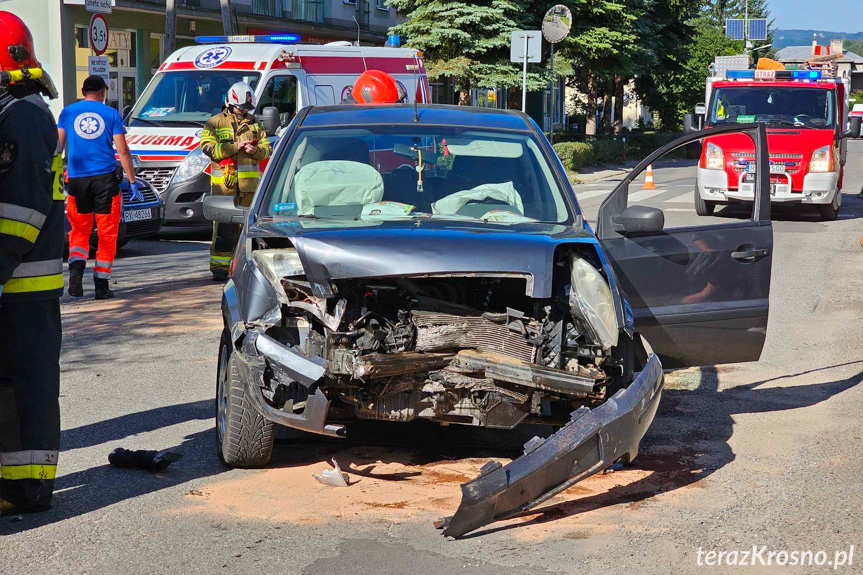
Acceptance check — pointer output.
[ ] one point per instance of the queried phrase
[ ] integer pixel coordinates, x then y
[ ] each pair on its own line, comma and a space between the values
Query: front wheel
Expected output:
829, 212
703, 207
244, 438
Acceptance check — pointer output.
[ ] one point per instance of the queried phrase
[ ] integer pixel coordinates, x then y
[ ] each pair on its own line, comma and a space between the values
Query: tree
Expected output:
467, 41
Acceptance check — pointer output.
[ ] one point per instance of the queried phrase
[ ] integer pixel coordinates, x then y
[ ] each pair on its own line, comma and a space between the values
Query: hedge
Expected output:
599, 151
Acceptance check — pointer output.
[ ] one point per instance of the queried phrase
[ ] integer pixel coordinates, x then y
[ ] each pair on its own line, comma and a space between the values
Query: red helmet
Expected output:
377, 87
16, 44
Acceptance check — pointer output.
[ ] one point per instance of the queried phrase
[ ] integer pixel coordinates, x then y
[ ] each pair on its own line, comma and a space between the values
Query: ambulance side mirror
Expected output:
270, 120
854, 131
224, 210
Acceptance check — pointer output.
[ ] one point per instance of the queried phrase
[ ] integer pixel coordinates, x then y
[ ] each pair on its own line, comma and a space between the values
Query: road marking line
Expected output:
681, 199
644, 194
591, 194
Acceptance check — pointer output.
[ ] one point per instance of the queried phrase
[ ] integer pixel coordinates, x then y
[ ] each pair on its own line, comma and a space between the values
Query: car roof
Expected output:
434, 114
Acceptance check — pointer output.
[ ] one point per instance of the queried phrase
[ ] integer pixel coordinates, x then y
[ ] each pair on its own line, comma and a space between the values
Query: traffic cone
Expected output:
648, 179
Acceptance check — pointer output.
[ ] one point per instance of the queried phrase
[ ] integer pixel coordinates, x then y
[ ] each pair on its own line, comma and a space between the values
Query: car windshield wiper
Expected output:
147, 121
788, 123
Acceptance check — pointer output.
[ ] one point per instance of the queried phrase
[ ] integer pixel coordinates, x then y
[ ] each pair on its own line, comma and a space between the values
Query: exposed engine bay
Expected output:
466, 349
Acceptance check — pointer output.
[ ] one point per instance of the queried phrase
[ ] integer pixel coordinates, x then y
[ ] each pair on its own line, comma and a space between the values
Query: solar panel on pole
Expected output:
734, 28
758, 29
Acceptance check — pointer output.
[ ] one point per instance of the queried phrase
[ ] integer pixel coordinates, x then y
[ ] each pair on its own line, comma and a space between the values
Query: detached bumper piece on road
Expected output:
592, 441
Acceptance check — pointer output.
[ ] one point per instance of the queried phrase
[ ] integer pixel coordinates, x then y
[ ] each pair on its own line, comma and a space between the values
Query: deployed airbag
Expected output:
336, 183
503, 192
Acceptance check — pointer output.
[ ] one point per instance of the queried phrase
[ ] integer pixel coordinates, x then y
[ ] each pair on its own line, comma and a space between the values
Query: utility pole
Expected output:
226, 17
170, 28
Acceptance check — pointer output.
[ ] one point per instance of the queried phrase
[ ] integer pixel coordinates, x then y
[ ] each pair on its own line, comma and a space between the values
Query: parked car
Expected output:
141, 217
404, 263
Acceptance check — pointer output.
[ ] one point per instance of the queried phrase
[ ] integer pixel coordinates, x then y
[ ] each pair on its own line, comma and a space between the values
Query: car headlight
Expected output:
715, 159
822, 160
590, 300
278, 264
195, 163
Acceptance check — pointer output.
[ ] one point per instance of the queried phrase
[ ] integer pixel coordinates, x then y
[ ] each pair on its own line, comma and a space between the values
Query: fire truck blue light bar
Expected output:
267, 39
734, 28
758, 29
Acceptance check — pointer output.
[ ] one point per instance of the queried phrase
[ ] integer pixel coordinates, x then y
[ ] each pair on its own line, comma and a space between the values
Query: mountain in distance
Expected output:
783, 38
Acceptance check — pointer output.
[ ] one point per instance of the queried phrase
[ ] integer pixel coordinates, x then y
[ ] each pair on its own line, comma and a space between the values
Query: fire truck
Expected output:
164, 125
807, 114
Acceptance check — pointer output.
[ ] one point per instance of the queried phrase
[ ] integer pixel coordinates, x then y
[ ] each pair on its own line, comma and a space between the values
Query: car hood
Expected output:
422, 246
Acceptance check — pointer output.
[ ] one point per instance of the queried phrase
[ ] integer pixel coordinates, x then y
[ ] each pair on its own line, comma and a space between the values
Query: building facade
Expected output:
137, 34
849, 66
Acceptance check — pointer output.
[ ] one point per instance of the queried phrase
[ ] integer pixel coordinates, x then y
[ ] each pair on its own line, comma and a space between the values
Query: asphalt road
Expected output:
750, 454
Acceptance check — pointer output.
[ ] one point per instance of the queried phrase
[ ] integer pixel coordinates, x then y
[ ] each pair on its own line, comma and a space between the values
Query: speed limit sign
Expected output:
98, 34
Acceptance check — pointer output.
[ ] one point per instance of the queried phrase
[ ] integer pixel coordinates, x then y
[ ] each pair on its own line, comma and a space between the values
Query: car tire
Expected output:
244, 438
703, 207
829, 212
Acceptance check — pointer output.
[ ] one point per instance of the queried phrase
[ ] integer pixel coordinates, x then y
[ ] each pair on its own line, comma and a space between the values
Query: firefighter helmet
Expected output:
241, 95
377, 87
18, 56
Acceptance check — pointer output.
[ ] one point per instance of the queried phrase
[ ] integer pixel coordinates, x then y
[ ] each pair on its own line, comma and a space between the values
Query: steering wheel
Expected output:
797, 119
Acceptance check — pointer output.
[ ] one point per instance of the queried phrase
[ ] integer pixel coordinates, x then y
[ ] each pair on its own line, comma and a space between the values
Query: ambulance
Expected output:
164, 125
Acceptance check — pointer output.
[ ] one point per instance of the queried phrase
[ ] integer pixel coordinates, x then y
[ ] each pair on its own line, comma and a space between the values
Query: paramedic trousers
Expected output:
29, 405
225, 238
99, 194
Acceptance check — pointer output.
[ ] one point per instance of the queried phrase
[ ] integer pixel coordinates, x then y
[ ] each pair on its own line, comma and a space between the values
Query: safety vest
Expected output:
221, 139
31, 202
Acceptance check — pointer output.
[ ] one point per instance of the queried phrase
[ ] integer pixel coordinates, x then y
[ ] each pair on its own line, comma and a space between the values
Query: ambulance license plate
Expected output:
137, 215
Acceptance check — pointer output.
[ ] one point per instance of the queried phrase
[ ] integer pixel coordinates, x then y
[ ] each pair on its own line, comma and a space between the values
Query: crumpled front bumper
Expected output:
592, 441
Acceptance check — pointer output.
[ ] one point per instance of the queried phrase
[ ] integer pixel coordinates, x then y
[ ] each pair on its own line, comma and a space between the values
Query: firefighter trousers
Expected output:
89, 195
30, 337
225, 238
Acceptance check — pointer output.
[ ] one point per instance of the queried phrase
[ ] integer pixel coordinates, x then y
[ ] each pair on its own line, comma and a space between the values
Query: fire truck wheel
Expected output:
830, 211
703, 207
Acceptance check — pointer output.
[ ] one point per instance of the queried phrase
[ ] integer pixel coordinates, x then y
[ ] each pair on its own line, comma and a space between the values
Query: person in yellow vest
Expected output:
236, 143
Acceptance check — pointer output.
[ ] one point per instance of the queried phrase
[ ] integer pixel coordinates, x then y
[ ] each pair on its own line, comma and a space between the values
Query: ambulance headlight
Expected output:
195, 163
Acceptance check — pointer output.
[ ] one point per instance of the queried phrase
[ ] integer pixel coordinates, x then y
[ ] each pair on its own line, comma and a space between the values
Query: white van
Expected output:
164, 125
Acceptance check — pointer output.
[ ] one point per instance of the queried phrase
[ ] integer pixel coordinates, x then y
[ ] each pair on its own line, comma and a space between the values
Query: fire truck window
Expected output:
281, 92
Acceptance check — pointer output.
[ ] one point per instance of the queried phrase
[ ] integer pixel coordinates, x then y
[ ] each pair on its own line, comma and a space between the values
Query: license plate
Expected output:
774, 168
136, 215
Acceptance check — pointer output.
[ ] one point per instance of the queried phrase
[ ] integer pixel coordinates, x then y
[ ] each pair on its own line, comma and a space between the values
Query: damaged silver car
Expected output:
402, 264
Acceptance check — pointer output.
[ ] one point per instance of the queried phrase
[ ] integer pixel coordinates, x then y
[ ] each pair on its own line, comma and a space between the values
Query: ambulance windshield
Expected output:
188, 97
780, 105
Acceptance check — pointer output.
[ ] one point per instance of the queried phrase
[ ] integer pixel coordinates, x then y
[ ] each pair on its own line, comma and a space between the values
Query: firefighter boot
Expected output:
76, 278
102, 289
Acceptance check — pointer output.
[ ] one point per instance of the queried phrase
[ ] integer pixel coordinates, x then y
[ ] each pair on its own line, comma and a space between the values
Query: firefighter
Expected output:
376, 87
236, 143
31, 275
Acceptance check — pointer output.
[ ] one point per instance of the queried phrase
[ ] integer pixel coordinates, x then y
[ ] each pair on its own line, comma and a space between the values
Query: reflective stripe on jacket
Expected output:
221, 139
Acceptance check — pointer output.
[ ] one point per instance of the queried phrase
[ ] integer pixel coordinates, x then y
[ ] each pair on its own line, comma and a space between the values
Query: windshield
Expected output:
190, 97
810, 107
384, 173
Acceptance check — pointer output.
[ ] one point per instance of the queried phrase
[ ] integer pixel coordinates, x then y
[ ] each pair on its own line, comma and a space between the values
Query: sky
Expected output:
834, 15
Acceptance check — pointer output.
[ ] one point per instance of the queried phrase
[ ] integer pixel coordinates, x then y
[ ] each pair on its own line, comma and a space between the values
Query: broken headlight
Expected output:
278, 264
590, 300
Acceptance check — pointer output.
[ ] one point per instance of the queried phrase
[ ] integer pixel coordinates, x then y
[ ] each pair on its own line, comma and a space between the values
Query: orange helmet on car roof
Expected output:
377, 87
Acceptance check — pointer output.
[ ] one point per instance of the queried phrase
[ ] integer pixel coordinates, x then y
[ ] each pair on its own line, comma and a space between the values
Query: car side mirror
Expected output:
224, 210
854, 131
270, 120
639, 220
690, 124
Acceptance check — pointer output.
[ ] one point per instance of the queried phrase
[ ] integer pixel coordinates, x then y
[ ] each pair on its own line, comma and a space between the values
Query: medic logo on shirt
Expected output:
212, 57
89, 125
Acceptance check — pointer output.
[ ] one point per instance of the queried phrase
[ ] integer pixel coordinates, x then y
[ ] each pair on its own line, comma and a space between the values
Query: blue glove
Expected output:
1, 289
136, 193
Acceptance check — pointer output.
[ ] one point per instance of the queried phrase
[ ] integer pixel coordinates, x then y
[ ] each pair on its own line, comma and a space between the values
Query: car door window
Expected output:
697, 282
280, 92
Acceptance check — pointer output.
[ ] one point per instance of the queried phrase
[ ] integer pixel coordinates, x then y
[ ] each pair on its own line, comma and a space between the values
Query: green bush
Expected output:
576, 152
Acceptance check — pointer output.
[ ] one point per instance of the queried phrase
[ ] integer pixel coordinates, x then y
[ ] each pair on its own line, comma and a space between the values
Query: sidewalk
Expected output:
598, 173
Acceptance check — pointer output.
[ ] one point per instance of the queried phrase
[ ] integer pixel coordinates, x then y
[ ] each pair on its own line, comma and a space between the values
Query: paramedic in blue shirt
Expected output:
91, 130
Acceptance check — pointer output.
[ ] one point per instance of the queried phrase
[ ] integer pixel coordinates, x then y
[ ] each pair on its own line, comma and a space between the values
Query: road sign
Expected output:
98, 6
98, 66
734, 28
98, 34
525, 41
758, 29
556, 23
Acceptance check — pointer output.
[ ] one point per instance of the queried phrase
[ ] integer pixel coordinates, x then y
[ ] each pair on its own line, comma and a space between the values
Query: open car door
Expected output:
699, 293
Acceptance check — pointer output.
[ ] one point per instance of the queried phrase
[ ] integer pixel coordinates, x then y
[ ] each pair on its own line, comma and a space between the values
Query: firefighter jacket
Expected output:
31, 201
221, 140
